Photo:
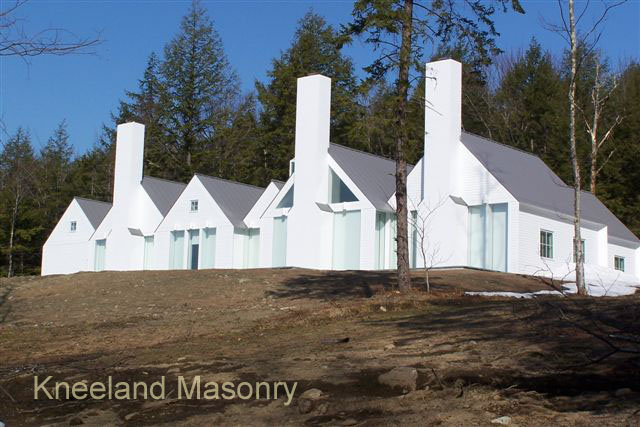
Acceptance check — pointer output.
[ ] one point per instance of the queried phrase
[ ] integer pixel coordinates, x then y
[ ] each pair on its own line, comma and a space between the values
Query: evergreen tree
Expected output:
19, 219
201, 89
314, 51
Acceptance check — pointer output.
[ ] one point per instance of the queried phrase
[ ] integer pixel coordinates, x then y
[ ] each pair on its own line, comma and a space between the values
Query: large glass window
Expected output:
488, 238
100, 254
176, 250
148, 252
208, 257
346, 240
546, 244
618, 263
279, 252
338, 190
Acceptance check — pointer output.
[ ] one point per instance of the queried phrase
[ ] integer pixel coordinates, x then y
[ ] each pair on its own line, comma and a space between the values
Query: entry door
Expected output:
194, 248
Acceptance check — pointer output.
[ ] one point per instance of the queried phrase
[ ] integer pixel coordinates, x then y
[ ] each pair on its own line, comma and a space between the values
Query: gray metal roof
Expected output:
234, 198
373, 175
162, 192
531, 181
93, 209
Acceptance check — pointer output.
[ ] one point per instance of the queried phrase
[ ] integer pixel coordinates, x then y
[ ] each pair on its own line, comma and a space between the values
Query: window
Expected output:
338, 190
546, 244
584, 253
488, 236
287, 200
194, 206
618, 263
73, 226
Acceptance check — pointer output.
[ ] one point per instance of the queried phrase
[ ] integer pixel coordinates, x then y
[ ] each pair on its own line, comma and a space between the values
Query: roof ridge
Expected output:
163, 179
504, 145
93, 200
366, 152
229, 181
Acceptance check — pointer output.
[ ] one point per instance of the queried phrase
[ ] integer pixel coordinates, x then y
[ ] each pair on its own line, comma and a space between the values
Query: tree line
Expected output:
198, 120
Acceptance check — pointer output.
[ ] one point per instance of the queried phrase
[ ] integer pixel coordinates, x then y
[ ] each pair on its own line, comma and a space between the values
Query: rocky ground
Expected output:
361, 354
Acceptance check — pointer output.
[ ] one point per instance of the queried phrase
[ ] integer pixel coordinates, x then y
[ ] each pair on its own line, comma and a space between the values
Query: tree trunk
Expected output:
577, 240
594, 166
12, 232
402, 86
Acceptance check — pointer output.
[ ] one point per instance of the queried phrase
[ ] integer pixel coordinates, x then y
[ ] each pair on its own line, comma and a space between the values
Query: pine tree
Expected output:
19, 221
201, 90
314, 51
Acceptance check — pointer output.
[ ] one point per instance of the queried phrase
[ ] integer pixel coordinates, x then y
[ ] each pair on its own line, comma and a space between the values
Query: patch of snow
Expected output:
614, 289
525, 295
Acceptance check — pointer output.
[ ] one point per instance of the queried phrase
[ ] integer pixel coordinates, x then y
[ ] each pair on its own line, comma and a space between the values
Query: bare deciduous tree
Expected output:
589, 39
603, 86
430, 251
16, 41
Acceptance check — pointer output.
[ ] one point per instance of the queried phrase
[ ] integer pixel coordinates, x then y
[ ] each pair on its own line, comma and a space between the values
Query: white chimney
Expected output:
313, 109
129, 162
443, 123
309, 228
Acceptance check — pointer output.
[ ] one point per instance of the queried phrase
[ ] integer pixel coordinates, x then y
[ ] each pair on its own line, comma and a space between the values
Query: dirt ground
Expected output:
477, 358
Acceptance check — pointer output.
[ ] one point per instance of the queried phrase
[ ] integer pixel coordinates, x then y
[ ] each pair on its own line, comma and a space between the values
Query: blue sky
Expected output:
85, 89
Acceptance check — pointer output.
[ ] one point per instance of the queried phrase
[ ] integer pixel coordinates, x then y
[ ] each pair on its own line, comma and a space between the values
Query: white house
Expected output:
482, 205
67, 248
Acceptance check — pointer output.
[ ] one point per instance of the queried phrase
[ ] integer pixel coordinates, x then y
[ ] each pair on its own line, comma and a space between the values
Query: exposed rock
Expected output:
402, 377
505, 421
389, 346
383, 308
312, 394
308, 400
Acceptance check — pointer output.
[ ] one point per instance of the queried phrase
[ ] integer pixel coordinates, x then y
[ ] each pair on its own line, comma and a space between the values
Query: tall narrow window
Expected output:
194, 249
176, 250
346, 240
252, 248
381, 220
194, 206
208, 258
148, 252
100, 254
498, 225
477, 236
546, 244
413, 255
279, 251
618, 263
73, 226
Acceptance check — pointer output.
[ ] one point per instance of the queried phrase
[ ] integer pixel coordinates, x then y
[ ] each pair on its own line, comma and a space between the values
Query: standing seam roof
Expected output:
373, 175
162, 192
234, 198
531, 181
94, 210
